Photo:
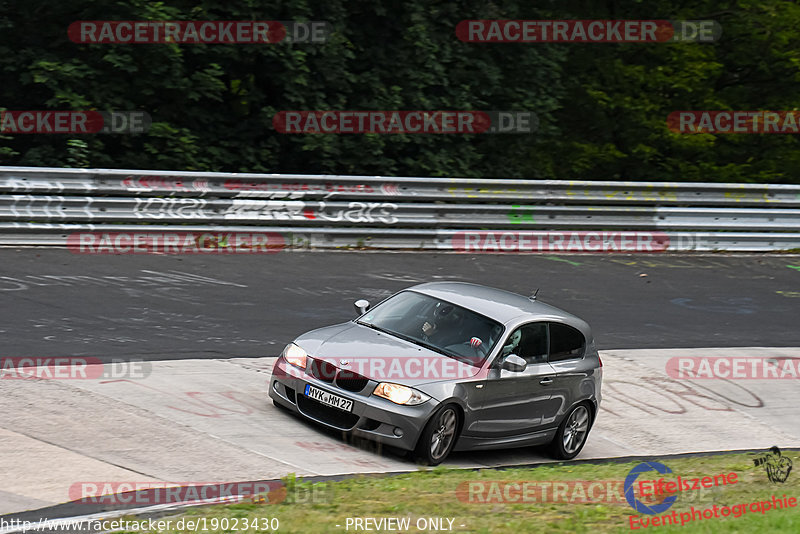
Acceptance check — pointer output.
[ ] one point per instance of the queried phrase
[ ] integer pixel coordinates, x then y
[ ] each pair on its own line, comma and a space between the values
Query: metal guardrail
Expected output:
117, 182
43, 206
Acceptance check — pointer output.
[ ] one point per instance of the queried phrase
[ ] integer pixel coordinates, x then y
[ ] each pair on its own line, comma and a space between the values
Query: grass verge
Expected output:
445, 493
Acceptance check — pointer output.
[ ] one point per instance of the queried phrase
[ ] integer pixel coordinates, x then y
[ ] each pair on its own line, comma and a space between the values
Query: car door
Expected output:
565, 356
513, 403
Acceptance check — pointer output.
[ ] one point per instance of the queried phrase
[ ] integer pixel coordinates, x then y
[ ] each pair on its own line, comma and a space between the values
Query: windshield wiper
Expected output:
390, 332
375, 327
435, 348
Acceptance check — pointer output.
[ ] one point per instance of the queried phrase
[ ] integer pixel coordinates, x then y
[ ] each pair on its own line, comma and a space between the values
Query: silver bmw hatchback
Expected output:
448, 366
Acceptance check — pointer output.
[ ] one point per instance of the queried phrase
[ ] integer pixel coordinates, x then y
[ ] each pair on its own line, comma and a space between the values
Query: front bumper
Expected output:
372, 417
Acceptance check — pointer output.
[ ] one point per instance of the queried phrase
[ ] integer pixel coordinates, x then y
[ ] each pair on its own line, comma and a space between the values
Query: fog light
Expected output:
398, 432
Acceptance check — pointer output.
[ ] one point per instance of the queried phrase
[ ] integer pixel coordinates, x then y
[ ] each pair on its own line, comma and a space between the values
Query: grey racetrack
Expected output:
56, 303
207, 322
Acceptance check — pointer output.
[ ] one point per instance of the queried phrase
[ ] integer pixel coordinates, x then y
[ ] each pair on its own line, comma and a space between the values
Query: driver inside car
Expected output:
444, 327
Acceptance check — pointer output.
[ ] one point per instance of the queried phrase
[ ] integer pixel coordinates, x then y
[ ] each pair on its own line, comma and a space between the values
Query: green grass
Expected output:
316, 508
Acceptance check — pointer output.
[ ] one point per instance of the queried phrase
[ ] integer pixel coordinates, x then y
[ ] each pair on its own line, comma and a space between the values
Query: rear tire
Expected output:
438, 437
572, 433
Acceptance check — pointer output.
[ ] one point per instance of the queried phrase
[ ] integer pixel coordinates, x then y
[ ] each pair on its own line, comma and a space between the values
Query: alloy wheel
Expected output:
576, 429
443, 435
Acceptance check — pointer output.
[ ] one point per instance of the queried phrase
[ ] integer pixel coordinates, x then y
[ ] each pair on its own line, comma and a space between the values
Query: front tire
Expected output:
438, 437
572, 433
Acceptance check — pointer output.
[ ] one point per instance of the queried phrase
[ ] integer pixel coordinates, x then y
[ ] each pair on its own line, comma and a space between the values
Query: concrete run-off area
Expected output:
210, 421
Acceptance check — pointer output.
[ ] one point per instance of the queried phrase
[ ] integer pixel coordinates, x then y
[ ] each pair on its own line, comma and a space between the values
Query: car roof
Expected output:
497, 304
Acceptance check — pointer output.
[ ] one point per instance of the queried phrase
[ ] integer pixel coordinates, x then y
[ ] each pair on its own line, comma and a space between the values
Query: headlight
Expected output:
295, 355
400, 394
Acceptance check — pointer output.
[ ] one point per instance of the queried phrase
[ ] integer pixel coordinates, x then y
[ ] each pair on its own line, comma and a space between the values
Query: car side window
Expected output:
529, 342
566, 343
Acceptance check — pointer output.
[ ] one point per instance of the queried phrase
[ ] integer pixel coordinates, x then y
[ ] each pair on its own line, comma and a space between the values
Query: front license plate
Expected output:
329, 398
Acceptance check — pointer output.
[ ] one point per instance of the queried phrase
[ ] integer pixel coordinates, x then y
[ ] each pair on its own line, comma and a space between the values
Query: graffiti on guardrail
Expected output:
42, 205
278, 210
359, 212
16, 184
299, 188
268, 210
245, 188
172, 207
352, 212
147, 184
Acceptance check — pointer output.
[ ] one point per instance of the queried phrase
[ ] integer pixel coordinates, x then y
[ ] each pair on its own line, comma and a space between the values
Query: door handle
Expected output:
546, 381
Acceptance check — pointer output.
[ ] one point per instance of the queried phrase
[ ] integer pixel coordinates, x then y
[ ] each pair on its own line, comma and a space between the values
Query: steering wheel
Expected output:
479, 349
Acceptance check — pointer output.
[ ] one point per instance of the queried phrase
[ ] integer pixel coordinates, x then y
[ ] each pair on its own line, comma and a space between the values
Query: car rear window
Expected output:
565, 342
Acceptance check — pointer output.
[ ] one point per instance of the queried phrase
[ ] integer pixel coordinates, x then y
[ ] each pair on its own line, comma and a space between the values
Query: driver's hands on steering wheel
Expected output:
428, 328
477, 345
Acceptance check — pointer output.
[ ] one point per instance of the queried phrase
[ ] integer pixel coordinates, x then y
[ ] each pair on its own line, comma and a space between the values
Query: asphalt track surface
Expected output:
210, 326
56, 303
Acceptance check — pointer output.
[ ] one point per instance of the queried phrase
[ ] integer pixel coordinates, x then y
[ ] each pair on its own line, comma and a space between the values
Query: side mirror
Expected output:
514, 363
361, 306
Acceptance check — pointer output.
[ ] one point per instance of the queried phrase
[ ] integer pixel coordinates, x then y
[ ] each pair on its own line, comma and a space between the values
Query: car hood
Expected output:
381, 357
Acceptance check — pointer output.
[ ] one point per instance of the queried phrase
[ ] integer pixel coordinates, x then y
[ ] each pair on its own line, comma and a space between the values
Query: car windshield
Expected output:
436, 324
